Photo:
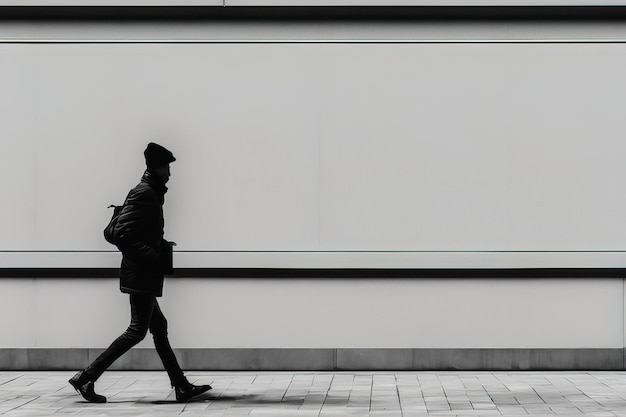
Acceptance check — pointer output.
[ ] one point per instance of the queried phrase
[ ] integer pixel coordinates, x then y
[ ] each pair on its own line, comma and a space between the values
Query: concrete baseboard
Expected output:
326, 359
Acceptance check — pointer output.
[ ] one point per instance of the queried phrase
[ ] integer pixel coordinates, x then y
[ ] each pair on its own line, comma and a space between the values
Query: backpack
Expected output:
109, 230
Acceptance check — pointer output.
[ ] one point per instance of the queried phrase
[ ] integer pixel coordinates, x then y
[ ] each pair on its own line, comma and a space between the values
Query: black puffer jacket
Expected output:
139, 233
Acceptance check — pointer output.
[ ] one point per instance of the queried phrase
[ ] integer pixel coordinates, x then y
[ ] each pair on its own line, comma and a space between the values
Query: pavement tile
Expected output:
319, 394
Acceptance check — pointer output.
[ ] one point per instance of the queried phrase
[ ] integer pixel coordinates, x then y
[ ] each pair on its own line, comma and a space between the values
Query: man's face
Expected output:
163, 171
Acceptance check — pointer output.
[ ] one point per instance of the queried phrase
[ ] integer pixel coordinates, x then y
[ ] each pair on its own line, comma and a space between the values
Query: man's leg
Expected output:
158, 328
141, 307
184, 390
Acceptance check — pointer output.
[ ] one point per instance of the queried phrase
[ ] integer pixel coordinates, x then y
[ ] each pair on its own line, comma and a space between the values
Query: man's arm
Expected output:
138, 209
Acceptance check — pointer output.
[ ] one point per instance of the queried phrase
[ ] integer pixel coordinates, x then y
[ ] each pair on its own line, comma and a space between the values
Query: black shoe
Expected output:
84, 385
185, 392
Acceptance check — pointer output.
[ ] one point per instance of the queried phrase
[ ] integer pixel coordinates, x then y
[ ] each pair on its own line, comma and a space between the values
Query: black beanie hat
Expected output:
157, 155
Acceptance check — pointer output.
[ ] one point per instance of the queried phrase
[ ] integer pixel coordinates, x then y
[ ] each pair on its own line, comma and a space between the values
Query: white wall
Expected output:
296, 148
321, 147
325, 313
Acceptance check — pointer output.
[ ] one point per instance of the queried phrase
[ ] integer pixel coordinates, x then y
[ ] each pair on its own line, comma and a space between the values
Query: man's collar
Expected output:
154, 180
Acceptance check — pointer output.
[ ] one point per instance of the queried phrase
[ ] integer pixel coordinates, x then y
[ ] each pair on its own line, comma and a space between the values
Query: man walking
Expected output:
139, 236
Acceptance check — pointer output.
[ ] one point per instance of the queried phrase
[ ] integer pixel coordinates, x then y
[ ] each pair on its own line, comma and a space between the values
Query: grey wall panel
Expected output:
321, 30
322, 147
326, 359
325, 313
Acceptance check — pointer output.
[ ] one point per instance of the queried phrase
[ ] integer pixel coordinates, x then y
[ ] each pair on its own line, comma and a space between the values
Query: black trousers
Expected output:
145, 315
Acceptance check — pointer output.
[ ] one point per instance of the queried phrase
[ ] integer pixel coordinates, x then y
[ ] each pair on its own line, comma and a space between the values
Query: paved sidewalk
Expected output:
313, 394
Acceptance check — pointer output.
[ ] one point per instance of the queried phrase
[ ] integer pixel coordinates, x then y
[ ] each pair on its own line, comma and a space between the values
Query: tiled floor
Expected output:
307, 394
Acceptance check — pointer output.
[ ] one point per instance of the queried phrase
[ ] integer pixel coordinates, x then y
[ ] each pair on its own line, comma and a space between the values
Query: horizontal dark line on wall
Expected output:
304, 13
357, 273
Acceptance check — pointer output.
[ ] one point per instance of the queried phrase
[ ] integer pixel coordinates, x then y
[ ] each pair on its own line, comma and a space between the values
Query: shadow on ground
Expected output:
239, 399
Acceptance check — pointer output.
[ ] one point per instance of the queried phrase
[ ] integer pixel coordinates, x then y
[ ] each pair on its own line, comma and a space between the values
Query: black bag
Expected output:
109, 230
167, 255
